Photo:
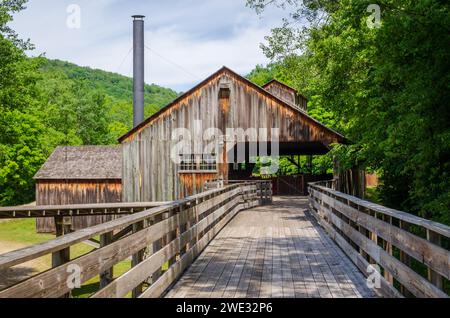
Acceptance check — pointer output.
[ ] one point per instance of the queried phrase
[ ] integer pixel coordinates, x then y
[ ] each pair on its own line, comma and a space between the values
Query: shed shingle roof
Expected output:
83, 162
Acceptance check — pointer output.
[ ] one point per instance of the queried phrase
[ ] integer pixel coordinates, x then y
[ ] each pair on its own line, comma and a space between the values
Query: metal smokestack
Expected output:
138, 69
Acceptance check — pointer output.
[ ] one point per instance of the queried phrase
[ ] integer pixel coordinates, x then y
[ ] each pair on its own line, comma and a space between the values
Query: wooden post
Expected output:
155, 246
434, 277
263, 190
361, 230
374, 237
270, 193
137, 258
405, 259
186, 228
388, 248
261, 197
107, 276
62, 226
310, 165
197, 219
170, 236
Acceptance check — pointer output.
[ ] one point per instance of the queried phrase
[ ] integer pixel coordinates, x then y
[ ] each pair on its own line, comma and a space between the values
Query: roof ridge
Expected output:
225, 69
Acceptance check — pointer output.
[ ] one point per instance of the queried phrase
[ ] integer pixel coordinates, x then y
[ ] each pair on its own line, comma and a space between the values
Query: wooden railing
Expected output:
412, 253
20, 212
161, 241
263, 189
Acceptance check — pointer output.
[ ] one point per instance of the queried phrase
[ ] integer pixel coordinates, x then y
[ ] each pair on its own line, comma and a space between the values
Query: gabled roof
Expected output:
274, 81
289, 88
82, 163
225, 69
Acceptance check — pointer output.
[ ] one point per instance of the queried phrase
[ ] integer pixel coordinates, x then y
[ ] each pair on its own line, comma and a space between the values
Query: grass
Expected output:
22, 232
93, 285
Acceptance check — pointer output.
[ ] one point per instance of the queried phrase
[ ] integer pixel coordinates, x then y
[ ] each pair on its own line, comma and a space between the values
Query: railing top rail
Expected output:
75, 209
82, 206
247, 181
62, 242
436, 227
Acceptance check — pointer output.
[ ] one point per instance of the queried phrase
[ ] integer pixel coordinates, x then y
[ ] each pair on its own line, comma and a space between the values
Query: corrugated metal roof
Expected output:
83, 162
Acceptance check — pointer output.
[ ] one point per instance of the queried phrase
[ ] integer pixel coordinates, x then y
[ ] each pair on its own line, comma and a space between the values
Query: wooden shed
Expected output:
223, 100
79, 175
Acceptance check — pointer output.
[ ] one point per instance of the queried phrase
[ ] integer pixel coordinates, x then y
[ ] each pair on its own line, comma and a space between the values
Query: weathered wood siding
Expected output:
62, 192
193, 183
148, 172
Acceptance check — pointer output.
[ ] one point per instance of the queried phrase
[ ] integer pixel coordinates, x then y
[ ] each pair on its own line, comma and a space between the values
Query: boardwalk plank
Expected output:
272, 251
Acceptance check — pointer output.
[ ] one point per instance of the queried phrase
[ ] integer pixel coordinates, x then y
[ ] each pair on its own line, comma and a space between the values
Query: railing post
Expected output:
270, 192
156, 246
434, 277
405, 259
261, 196
137, 258
107, 276
172, 235
62, 227
388, 248
181, 229
361, 230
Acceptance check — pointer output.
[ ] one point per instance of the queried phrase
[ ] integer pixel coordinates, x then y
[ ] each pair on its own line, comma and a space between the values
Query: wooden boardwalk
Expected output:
272, 251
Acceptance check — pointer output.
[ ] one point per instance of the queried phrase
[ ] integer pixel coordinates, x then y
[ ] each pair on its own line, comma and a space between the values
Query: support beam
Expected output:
63, 226
137, 258
107, 276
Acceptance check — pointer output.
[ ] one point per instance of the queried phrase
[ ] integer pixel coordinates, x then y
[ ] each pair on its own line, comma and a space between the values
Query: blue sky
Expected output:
198, 36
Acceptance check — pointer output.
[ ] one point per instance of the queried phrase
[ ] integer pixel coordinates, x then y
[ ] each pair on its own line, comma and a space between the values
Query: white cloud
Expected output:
199, 36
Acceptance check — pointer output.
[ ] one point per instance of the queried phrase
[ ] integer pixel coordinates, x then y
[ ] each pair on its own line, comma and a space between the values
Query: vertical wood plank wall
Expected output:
149, 174
62, 192
287, 95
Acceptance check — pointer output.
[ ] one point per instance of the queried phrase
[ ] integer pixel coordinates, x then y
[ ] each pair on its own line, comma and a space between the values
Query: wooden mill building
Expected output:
79, 175
223, 100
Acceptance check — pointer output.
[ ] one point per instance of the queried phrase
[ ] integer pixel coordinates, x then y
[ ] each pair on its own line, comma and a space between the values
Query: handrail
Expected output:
173, 234
373, 234
16, 212
404, 216
25, 254
264, 187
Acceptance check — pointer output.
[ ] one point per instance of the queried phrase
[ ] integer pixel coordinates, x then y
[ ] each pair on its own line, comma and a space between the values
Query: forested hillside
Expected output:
46, 103
116, 89
113, 85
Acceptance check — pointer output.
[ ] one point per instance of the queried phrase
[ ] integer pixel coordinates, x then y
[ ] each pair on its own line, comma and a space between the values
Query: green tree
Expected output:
386, 87
21, 132
45, 103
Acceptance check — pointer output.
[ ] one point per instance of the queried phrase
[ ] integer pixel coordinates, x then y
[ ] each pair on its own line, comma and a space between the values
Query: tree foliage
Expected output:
386, 87
45, 103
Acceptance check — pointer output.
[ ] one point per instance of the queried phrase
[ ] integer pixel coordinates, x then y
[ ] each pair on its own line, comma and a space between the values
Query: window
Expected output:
187, 162
192, 162
209, 162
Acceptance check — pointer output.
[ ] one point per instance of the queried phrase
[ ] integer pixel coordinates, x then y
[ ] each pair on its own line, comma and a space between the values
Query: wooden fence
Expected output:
263, 189
74, 210
162, 241
412, 253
